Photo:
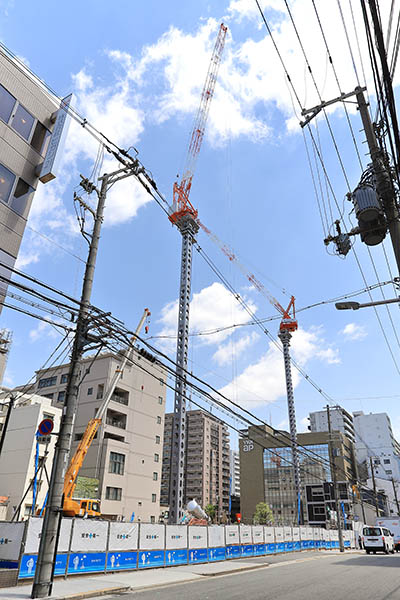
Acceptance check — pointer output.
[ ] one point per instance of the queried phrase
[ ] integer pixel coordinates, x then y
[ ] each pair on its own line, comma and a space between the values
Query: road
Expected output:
328, 577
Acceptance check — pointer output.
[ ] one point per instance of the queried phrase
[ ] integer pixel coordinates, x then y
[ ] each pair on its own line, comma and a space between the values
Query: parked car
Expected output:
377, 539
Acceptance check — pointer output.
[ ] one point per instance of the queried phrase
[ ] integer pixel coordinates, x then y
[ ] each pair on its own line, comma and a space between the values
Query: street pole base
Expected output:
41, 590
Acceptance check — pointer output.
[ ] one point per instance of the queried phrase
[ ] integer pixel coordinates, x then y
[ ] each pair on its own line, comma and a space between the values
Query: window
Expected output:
161, 381
386, 461
61, 396
139, 503
113, 493
6, 183
100, 390
156, 458
388, 472
40, 139
158, 439
47, 382
50, 396
64, 378
23, 122
158, 420
152, 519
159, 399
7, 103
154, 497
117, 463
27, 510
155, 476
377, 461
90, 391
22, 194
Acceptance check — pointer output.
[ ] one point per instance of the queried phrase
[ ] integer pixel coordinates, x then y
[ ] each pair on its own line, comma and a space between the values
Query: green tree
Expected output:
263, 514
210, 510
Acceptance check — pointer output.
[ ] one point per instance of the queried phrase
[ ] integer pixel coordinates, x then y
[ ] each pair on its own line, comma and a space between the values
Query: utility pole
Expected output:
285, 337
43, 581
384, 184
5, 426
395, 497
374, 486
334, 478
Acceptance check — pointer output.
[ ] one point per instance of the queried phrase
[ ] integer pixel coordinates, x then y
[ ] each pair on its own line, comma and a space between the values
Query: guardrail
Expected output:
91, 546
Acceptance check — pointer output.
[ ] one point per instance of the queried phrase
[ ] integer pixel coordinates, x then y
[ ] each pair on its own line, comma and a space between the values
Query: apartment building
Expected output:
126, 454
21, 453
374, 436
27, 113
207, 461
266, 471
341, 420
234, 468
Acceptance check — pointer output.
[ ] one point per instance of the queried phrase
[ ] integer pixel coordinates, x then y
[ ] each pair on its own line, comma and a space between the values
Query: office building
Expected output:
266, 472
126, 454
20, 453
340, 419
207, 461
374, 436
26, 110
234, 467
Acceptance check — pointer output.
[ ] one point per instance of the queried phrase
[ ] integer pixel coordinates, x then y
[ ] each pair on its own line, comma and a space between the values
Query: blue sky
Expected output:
136, 72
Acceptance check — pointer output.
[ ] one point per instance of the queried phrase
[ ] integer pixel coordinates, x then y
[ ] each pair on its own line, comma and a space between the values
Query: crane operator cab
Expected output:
81, 507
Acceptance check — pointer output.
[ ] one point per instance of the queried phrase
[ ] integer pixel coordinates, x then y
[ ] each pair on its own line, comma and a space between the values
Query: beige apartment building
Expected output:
126, 454
26, 123
207, 461
18, 456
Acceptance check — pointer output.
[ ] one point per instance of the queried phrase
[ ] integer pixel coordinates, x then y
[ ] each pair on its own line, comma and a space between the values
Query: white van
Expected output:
394, 527
377, 539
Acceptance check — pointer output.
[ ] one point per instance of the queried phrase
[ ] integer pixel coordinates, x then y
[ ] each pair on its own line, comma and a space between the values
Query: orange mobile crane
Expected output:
85, 507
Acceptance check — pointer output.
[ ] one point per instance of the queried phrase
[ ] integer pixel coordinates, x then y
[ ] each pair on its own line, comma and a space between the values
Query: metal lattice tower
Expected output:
285, 337
188, 228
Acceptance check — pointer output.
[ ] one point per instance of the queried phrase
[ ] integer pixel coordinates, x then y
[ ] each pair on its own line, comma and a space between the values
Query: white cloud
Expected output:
263, 382
352, 331
41, 331
226, 352
213, 307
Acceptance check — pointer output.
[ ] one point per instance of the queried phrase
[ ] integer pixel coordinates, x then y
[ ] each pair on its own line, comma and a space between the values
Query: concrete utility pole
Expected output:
374, 486
285, 337
188, 228
384, 184
43, 581
395, 497
334, 479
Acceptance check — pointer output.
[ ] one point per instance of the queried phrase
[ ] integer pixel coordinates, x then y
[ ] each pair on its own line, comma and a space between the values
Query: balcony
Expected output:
116, 419
120, 396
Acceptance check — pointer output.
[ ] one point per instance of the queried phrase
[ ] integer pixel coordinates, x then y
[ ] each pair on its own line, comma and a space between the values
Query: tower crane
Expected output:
287, 326
184, 216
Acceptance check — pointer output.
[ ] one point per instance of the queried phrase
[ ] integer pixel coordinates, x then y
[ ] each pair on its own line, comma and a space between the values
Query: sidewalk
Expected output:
90, 586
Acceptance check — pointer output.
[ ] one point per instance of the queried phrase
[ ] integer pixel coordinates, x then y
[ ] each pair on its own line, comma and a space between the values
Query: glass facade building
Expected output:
279, 488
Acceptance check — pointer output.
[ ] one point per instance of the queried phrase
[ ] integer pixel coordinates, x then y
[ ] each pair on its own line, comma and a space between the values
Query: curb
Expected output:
93, 593
238, 570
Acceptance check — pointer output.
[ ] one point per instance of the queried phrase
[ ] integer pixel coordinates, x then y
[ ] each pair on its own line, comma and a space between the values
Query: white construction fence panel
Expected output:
33, 535
317, 533
296, 534
65, 535
197, 536
231, 534
176, 537
89, 535
334, 535
287, 534
151, 537
258, 534
303, 533
123, 536
245, 534
10, 540
216, 536
309, 534
279, 534
269, 535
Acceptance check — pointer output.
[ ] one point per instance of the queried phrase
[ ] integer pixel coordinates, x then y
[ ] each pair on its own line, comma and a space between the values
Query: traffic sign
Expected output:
46, 427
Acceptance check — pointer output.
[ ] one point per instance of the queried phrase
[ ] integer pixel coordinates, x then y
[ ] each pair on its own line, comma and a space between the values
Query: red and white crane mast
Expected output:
184, 216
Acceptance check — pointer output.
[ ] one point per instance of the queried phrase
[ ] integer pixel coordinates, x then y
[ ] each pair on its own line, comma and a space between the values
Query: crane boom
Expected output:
181, 204
94, 424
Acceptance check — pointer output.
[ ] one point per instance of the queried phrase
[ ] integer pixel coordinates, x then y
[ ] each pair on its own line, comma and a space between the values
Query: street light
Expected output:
357, 305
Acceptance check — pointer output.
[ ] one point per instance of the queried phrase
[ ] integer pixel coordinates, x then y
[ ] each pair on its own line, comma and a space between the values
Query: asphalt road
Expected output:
326, 577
